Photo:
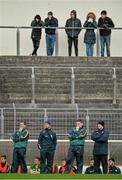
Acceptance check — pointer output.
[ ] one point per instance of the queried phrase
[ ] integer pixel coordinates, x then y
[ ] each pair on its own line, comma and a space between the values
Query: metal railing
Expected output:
18, 28
63, 119
72, 92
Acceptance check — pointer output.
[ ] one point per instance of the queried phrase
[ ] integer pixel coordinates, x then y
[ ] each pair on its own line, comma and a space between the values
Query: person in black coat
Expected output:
36, 33
100, 151
47, 144
73, 34
52, 22
105, 23
112, 168
91, 170
90, 37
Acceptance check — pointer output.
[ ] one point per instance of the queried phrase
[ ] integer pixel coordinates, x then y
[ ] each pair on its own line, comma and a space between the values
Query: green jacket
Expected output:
20, 138
77, 137
35, 168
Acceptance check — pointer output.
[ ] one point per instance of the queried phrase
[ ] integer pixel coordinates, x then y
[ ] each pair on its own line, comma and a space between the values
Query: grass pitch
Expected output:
59, 176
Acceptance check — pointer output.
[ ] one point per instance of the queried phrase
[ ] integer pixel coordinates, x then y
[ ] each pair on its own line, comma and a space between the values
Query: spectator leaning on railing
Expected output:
50, 21
105, 34
90, 37
36, 33
72, 34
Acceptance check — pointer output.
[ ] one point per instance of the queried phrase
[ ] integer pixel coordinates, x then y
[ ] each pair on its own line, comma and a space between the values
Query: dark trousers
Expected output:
36, 44
75, 152
101, 159
19, 159
70, 42
46, 160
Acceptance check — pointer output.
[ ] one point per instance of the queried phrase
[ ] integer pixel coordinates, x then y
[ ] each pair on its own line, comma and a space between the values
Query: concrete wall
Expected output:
21, 12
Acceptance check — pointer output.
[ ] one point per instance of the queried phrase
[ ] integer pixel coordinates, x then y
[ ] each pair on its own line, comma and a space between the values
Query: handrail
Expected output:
55, 67
61, 27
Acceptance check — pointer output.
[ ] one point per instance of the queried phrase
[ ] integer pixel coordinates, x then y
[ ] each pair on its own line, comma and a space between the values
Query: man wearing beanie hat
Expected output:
47, 144
52, 22
100, 151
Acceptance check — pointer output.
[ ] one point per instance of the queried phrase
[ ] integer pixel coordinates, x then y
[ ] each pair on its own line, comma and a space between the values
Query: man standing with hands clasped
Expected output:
47, 144
100, 152
76, 150
20, 140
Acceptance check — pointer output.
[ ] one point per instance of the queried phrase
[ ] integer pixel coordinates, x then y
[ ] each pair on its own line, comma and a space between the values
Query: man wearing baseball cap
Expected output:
100, 151
47, 144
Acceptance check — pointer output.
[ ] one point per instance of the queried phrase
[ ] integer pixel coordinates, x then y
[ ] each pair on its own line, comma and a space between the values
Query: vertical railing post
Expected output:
98, 43
87, 123
114, 86
2, 124
77, 111
56, 44
14, 108
45, 115
72, 86
18, 41
33, 86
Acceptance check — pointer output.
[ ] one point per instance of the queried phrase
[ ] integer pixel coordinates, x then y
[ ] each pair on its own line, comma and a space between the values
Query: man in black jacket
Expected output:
47, 144
112, 168
100, 151
36, 33
90, 169
105, 33
50, 21
72, 34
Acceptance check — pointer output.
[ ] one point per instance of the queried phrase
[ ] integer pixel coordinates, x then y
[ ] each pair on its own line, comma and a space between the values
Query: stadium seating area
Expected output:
62, 89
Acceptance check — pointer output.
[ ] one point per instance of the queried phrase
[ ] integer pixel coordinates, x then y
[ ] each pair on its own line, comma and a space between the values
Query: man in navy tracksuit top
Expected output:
100, 152
47, 144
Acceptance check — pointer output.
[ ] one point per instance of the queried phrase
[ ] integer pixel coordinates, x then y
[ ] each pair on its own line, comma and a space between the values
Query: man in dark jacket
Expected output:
36, 33
112, 168
72, 34
100, 151
47, 144
90, 169
105, 33
76, 150
52, 22
20, 140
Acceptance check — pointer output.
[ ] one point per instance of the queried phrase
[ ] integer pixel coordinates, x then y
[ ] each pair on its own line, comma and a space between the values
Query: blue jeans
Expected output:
50, 42
89, 49
105, 42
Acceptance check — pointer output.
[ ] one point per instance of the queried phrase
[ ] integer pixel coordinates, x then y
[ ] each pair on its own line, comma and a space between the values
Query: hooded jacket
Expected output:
73, 33
36, 33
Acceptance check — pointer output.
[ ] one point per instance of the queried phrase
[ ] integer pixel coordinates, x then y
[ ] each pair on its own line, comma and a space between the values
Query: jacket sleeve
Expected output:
80, 26
82, 134
100, 137
40, 141
95, 135
33, 23
51, 23
104, 136
67, 25
93, 24
100, 24
55, 139
24, 135
110, 23
72, 135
